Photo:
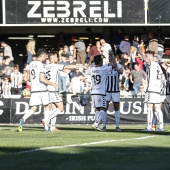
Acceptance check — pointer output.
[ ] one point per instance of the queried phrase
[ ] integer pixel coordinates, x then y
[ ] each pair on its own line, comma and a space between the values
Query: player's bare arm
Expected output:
45, 81
144, 57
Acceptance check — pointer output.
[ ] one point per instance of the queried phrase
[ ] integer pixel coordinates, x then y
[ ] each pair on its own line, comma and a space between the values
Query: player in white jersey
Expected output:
39, 92
152, 95
113, 92
51, 71
98, 93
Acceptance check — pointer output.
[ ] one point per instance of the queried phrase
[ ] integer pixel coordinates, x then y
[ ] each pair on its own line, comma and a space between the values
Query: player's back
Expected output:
99, 76
35, 68
113, 80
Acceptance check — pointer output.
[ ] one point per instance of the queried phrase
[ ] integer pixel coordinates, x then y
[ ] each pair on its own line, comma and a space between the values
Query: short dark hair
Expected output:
150, 52
41, 51
6, 57
97, 59
135, 64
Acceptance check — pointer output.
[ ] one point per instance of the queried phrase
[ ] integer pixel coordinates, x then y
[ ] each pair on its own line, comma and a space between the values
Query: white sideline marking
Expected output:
83, 144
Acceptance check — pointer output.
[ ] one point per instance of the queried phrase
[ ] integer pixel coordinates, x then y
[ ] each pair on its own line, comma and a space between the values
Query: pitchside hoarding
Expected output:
132, 111
72, 12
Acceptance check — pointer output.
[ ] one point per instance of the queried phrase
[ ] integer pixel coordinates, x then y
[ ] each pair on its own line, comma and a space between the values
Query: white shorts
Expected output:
55, 98
114, 97
152, 98
162, 98
99, 101
39, 98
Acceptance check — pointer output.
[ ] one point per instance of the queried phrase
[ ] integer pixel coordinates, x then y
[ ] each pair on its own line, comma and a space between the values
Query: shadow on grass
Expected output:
91, 158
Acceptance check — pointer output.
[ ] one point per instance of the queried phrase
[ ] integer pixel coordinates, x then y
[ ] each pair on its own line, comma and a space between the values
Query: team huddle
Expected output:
105, 89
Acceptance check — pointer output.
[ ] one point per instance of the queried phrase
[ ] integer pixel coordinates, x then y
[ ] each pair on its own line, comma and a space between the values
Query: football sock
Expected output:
149, 118
98, 119
54, 113
96, 115
154, 122
46, 118
27, 114
53, 122
160, 118
117, 118
104, 117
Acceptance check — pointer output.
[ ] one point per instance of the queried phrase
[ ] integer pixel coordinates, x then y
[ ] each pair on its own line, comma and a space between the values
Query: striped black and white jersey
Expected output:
168, 81
154, 73
112, 83
52, 72
15, 79
98, 77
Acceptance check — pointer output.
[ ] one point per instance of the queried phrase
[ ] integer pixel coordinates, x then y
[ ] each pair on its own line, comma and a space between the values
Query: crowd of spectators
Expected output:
126, 49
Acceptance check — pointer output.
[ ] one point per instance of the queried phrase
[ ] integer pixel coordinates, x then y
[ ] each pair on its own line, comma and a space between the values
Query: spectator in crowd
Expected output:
125, 82
76, 84
1, 56
25, 78
76, 73
73, 49
161, 42
60, 52
125, 45
142, 47
133, 54
125, 60
63, 80
81, 51
86, 86
140, 62
30, 47
95, 50
7, 67
136, 42
117, 38
7, 50
105, 47
26, 93
136, 77
144, 36
16, 80
6, 88
153, 43
91, 37
71, 62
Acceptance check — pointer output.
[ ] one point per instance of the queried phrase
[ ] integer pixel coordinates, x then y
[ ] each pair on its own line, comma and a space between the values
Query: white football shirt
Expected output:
51, 72
99, 76
154, 73
35, 68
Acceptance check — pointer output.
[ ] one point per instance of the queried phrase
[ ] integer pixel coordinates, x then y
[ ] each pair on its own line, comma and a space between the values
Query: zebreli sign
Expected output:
70, 12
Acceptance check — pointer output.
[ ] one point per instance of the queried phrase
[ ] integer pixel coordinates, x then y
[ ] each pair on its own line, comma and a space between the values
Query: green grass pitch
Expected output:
78, 147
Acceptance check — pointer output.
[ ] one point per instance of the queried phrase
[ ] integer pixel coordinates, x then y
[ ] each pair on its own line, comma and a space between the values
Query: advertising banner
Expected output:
159, 12
132, 111
74, 12
5, 112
